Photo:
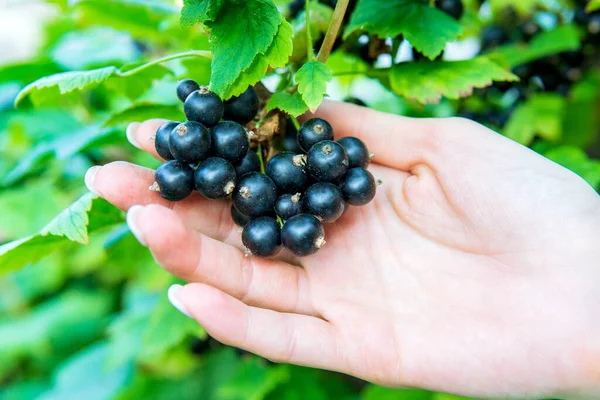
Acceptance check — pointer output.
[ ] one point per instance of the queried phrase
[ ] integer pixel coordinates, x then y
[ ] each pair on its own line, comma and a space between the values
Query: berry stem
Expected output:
333, 30
260, 158
279, 221
185, 54
309, 43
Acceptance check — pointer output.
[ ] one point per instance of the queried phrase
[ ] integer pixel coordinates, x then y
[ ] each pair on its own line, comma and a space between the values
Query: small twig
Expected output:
260, 158
309, 43
193, 53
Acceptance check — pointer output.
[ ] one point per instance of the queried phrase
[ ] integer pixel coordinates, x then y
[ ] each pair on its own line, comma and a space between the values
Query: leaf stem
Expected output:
295, 122
309, 43
185, 54
260, 158
333, 30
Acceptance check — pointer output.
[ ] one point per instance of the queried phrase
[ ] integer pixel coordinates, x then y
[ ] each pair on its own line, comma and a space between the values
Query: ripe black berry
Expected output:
185, 88
230, 141
262, 237
242, 109
250, 163
303, 235
358, 154
240, 219
288, 205
324, 200
493, 36
313, 131
215, 178
327, 161
358, 187
290, 139
454, 8
161, 140
173, 180
204, 106
288, 172
189, 142
255, 194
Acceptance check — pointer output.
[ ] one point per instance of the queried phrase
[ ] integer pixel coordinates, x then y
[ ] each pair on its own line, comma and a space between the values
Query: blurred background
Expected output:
93, 321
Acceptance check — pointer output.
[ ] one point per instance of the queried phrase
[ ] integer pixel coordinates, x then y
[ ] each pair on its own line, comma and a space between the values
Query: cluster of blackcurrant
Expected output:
282, 204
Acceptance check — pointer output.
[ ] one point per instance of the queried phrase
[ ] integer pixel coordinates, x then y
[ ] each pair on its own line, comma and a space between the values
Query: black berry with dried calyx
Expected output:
173, 180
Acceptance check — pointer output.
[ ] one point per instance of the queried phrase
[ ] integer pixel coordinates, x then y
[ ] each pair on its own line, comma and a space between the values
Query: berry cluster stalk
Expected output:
332, 32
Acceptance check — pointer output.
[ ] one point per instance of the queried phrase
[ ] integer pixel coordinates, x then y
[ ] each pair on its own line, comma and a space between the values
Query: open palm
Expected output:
473, 271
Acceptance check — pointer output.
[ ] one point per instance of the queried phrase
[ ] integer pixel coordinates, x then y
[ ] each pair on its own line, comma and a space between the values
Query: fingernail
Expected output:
130, 133
172, 294
90, 177
132, 215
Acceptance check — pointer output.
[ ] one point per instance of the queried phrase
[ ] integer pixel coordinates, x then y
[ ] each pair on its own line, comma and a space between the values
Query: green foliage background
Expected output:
83, 308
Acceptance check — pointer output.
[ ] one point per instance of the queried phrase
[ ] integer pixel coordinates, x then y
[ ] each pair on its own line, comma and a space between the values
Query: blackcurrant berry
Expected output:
313, 131
189, 142
185, 88
324, 200
288, 172
161, 140
303, 235
358, 187
242, 109
290, 139
255, 194
229, 141
529, 29
327, 161
288, 205
240, 219
204, 106
358, 154
262, 237
250, 163
173, 180
454, 8
215, 178
493, 36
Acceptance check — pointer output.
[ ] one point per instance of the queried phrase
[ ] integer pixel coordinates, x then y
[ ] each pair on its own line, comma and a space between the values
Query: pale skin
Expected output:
474, 271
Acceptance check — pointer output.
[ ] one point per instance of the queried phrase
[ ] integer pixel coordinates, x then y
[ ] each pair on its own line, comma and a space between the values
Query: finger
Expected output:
285, 338
124, 185
141, 135
194, 257
395, 141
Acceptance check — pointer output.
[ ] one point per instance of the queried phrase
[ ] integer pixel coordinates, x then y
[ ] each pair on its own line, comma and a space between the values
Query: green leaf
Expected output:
143, 111
241, 33
253, 381
563, 38
593, 5
276, 57
41, 332
66, 82
200, 11
540, 115
312, 81
86, 375
523, 7
289, 103
426, 82
94, 47
61, 148
426, 28
577, 161
87, 215
144, 19
374, 392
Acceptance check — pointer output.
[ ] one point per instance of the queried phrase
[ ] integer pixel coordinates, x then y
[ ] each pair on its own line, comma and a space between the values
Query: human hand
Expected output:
474, 270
